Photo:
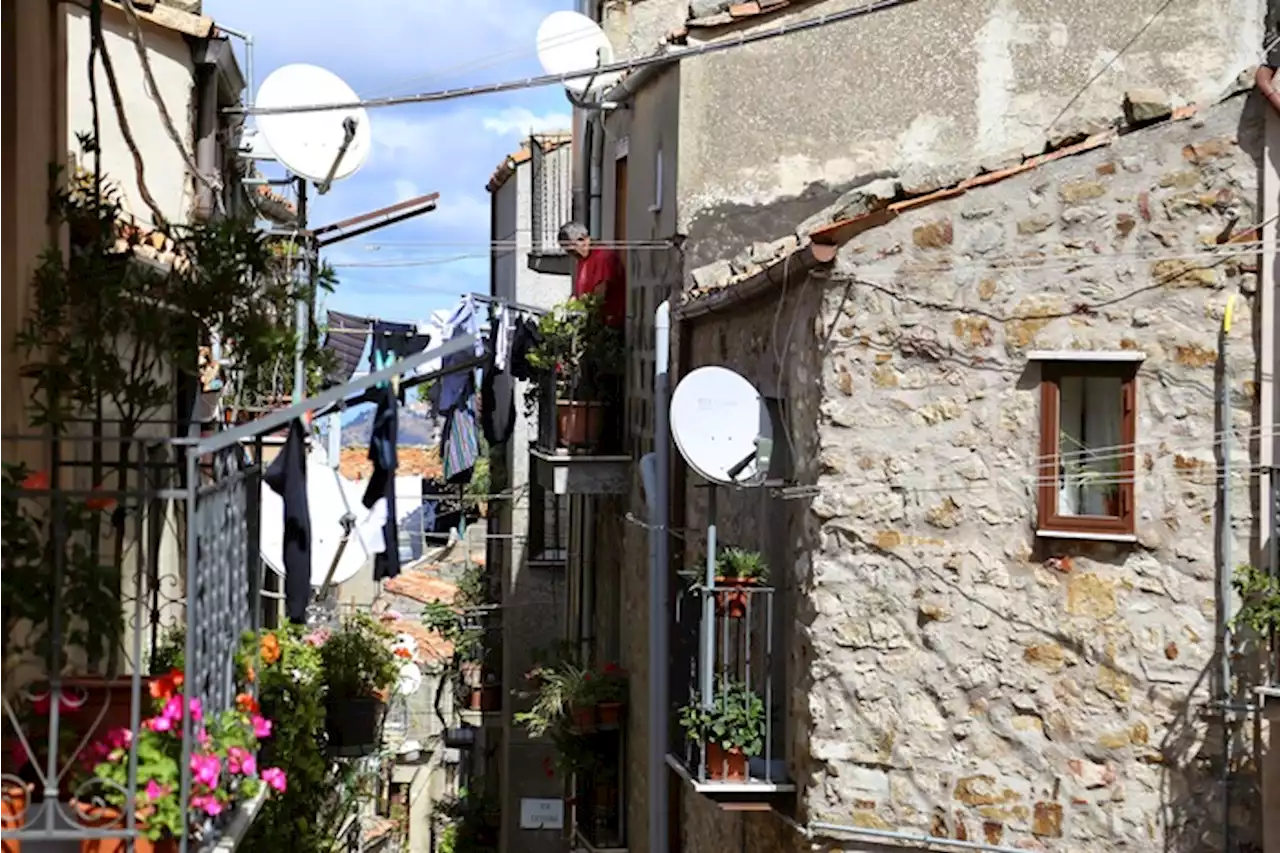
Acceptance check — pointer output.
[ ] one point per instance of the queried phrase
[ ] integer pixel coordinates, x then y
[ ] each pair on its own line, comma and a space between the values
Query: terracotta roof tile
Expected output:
412, 461
732, 11
421, 585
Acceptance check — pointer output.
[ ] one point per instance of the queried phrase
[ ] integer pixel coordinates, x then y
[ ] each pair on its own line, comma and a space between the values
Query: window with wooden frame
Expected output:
1088, 426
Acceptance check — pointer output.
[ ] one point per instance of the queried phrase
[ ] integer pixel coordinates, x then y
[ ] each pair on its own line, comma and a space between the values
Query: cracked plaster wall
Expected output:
967, 680
772, 132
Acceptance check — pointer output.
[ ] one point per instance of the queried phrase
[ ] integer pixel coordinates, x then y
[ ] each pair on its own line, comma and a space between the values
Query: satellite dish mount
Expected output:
349, 125
571, 44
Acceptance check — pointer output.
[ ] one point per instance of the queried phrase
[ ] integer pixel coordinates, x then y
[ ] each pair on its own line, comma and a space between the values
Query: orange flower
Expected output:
247, 704
270, 649
99, 502
165, 686
402, 652
36, 481
249, 674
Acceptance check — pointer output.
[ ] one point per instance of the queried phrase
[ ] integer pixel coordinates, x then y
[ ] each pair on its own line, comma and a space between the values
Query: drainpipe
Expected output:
659, 544
206, 138
1267, 274
821, 828
595, 180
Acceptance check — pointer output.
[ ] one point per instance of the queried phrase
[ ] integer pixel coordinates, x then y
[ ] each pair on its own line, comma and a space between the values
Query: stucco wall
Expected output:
966, 679
533, 620
921, 90
165, 170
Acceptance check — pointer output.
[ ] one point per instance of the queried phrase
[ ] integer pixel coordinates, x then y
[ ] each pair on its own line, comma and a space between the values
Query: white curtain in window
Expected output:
1089, 418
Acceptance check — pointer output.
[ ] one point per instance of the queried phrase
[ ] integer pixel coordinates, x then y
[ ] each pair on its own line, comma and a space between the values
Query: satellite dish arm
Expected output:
581, 102
348, 136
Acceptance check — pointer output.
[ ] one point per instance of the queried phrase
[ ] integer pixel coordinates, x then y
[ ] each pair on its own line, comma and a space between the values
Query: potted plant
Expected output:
359, 669
732, 729
737, 568
610, 694
583, 358
559, 695
1259, 592
224, 771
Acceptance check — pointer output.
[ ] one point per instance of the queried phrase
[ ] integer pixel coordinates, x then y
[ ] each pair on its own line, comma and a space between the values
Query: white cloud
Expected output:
405, 189
519, 121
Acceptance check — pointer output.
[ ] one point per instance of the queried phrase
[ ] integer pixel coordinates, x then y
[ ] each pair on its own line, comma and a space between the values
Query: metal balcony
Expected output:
726, 636
551, 158
98, 574
578, 448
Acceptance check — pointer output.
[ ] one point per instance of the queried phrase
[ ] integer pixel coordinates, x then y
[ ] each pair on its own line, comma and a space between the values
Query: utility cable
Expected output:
667, 58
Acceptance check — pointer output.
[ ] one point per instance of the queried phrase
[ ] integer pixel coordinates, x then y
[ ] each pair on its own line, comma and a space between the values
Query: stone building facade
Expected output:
952, 672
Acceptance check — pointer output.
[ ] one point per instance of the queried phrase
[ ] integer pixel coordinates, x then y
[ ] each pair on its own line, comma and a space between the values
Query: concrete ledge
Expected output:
566, 474
711, 789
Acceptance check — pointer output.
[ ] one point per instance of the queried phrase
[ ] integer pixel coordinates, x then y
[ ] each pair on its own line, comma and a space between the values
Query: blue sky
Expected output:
393, 47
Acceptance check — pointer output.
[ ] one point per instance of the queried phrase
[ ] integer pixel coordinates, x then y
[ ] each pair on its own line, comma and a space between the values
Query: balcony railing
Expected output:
727, 732
577, 448
95, 577
552, 193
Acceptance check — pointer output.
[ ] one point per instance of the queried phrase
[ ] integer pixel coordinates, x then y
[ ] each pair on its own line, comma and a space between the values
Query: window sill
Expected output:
1091, 537
1124, 355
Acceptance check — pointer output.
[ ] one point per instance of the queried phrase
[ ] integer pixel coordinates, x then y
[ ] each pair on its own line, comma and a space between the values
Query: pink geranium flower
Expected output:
241, 761
155, 790
261, 726
206, 769
275, 777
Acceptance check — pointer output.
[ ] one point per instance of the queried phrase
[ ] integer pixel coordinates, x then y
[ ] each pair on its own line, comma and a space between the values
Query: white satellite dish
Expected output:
722, 427
327, 505
407, 642
569, 42
321, 146
410, 680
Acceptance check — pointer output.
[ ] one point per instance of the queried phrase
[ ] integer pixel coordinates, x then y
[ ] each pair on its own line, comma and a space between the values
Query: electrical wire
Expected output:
668, 58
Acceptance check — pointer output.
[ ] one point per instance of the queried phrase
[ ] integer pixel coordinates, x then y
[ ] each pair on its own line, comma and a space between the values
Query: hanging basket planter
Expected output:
354, 724
732, 602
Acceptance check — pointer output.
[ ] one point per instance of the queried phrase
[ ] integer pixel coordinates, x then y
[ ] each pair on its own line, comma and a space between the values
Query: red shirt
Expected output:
603, 268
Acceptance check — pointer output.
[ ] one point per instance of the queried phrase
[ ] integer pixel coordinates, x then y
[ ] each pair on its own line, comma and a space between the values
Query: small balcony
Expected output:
578, 397
728, 736
599, 801
551, 198
125, 607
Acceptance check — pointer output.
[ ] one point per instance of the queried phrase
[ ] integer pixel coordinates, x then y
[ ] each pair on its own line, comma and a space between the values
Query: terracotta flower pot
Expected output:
579, 424
609, 713
584, 717
726, 765
95, 816
733, 602
14, 813
486, 698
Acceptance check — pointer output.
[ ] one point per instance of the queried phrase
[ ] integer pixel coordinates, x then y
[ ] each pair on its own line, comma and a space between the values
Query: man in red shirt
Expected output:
599, 271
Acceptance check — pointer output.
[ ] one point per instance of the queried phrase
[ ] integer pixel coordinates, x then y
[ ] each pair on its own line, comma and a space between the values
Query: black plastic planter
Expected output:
354, 725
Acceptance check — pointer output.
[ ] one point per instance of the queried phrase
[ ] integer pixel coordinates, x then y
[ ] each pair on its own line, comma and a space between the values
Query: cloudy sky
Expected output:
395, 47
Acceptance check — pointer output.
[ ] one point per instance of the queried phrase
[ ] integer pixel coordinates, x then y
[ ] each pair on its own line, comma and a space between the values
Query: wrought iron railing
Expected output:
731, 678
552, 192
116, 543
599, 802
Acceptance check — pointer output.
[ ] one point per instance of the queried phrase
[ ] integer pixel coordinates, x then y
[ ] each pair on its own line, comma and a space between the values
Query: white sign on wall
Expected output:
541, 814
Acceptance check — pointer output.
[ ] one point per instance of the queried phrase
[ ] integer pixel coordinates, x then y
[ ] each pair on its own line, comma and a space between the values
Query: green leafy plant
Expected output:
289, 674
471, 822
358, 660
741, 564
1259, 593
555, 691
735, 720
585, 356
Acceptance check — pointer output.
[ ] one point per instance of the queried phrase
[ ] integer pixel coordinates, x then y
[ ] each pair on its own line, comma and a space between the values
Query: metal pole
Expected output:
1224, 576
658, 592
301, 305
707, 664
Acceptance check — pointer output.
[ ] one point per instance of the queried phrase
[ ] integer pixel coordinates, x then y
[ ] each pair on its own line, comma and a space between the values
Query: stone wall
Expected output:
967, 679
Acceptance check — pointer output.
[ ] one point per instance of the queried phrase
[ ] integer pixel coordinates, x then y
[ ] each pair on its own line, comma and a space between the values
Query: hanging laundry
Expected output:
524, 340
459, 385
498, 387
397, 340
287, 477
346, 338
460, 444
382, 483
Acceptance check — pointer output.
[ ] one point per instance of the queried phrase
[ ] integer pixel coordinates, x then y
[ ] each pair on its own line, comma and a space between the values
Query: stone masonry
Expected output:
950, 673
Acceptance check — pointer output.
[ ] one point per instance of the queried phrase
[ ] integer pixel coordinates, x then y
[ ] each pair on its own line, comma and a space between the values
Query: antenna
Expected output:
569, 42
321, 147
722, 427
